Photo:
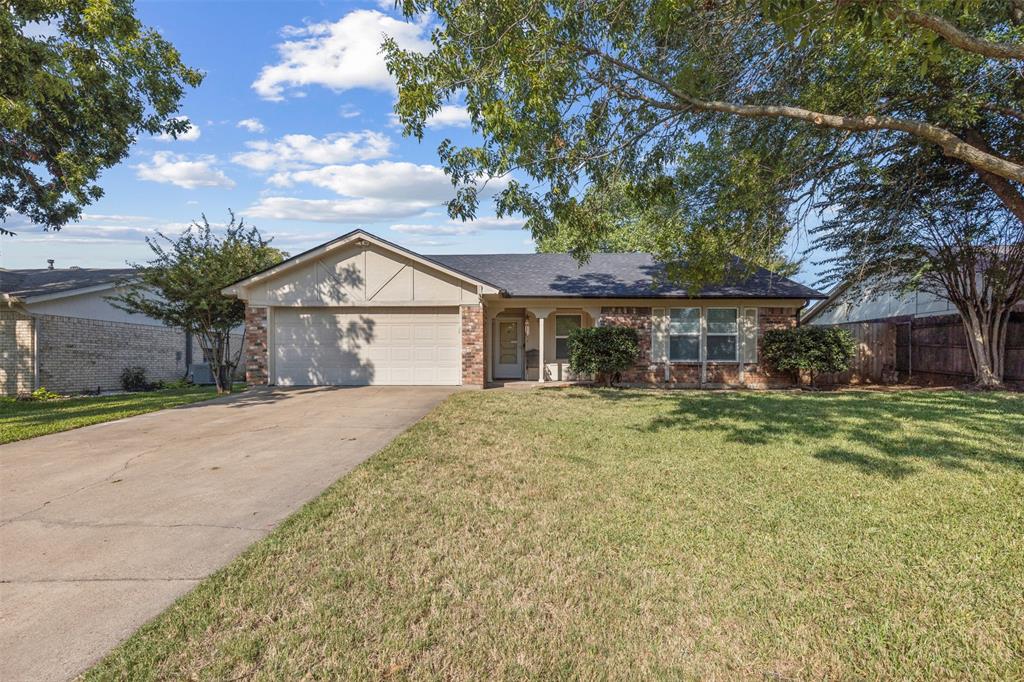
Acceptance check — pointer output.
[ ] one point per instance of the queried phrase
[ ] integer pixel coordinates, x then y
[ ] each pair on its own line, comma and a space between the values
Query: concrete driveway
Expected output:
103, 527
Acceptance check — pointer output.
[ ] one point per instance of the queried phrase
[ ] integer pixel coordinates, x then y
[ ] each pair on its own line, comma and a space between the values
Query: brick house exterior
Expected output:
255, 358
474, 320
655, 372
75, 355
473, 345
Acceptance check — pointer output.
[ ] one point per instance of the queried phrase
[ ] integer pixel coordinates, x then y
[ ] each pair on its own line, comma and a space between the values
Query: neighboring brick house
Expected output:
360, 310
59, 331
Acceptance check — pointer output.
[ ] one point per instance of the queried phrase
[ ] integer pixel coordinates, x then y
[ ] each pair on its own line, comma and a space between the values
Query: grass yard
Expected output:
21, 419
602, 534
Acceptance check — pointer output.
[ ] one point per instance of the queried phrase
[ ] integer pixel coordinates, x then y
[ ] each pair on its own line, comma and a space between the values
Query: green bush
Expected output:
603, 351
811, 349
134, 379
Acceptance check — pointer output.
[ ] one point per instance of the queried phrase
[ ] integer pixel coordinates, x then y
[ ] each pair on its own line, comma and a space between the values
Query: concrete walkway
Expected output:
101, 528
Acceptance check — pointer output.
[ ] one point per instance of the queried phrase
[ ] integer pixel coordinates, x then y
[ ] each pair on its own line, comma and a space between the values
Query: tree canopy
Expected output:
762, 105
181, 286
72, 103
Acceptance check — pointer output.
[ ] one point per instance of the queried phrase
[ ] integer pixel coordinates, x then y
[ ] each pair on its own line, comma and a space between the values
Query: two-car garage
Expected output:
361, 346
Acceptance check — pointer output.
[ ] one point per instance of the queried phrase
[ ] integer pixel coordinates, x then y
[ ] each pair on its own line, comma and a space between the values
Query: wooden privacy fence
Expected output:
923, 350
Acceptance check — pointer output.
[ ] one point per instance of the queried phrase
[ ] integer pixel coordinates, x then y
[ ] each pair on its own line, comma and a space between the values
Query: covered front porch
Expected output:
530, 343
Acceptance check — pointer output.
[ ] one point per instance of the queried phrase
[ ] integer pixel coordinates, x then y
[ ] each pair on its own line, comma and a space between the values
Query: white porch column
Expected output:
595, 314
541, 314
490, 313
540, 348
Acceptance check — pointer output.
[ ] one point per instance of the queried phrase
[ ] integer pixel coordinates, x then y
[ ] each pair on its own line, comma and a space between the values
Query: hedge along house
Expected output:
360, 310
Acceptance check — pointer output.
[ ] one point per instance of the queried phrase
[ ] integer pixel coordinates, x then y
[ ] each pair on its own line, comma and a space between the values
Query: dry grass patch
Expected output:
595, 534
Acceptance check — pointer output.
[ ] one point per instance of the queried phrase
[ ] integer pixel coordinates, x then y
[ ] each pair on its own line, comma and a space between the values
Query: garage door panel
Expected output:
385, 346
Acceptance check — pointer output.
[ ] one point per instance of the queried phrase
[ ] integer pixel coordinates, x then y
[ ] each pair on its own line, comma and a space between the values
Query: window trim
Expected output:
578, 316
669, 335
736, 355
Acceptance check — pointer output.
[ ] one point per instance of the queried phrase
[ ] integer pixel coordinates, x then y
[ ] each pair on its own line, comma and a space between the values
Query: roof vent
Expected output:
49, 264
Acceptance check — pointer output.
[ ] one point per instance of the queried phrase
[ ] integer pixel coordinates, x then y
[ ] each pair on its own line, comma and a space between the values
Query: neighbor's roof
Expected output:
24, 284
607, 275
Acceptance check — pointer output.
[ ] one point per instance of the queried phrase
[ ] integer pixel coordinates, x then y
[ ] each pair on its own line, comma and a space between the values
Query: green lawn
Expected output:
596, 534
27, 419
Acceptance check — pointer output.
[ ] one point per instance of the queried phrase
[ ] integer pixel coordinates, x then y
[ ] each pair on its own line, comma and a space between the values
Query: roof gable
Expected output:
355, 237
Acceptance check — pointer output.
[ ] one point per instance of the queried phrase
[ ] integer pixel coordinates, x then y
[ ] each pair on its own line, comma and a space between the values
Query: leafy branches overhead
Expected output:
181, 286
572, 95
80, 81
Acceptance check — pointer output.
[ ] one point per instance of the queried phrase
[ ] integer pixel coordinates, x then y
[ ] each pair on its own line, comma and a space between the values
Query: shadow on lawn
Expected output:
885, 434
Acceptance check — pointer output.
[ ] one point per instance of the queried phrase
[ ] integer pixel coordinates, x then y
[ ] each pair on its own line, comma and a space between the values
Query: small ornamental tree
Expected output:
810, 349
602, 351
182, 285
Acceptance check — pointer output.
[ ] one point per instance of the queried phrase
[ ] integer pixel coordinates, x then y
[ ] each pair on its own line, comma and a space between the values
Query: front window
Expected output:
563, 325
722, 335
684, 335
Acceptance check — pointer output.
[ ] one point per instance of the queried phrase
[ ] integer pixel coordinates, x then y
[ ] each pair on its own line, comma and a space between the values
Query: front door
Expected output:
508, 356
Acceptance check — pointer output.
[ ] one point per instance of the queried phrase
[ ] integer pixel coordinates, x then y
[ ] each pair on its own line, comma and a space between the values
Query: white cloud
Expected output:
180, 170
96, 228
253, 125
349, 111
373, 192
394, 180
454, 228
339, 55
190, 135
450, 116
304, 151
334, 210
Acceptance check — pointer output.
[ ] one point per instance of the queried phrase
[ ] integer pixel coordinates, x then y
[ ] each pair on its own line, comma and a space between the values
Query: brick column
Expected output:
472, 345
256, 347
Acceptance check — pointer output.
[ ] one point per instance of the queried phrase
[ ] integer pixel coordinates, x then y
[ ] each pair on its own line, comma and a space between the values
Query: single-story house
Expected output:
360, 310
59, 331
909, 336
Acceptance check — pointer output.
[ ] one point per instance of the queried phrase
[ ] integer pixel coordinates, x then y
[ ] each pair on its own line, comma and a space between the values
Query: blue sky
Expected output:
292, 129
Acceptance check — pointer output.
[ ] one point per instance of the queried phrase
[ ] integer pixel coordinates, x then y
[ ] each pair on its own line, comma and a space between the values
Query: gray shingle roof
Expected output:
606, 275
28, 283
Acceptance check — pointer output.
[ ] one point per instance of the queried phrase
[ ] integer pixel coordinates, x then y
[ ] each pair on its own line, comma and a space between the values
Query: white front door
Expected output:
508, 354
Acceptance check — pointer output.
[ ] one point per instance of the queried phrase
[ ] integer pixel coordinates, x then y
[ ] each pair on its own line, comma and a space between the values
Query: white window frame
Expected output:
579, 316
669, 335
736, 335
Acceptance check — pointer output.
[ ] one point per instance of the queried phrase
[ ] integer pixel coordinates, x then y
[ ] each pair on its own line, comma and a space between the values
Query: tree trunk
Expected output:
986, 332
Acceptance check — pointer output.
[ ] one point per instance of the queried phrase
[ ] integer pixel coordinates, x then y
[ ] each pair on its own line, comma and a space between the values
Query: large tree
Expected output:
181, 286
773, 110
79, 81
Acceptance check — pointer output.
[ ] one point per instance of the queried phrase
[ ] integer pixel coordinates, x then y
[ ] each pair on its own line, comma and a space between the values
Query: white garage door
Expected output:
360, 346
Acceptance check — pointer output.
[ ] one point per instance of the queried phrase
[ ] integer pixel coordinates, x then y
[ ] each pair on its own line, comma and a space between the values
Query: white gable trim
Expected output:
238, 288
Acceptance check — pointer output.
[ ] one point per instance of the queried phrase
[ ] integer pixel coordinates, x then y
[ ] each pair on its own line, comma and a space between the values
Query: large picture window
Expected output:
684, 335
563, 325
722, 335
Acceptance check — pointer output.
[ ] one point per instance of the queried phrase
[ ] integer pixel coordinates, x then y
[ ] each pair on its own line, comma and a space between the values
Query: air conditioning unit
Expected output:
200, 373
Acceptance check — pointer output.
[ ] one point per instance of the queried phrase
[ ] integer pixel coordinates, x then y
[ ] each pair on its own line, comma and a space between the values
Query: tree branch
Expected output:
961, 39
951, 145
1003, 188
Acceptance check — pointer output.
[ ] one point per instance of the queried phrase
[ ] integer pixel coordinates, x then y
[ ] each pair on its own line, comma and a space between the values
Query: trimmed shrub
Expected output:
134, 379
811, 349
603, 351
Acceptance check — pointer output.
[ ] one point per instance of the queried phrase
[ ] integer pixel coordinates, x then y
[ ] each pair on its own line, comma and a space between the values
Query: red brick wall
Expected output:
472, 345
689, 374
256, 347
